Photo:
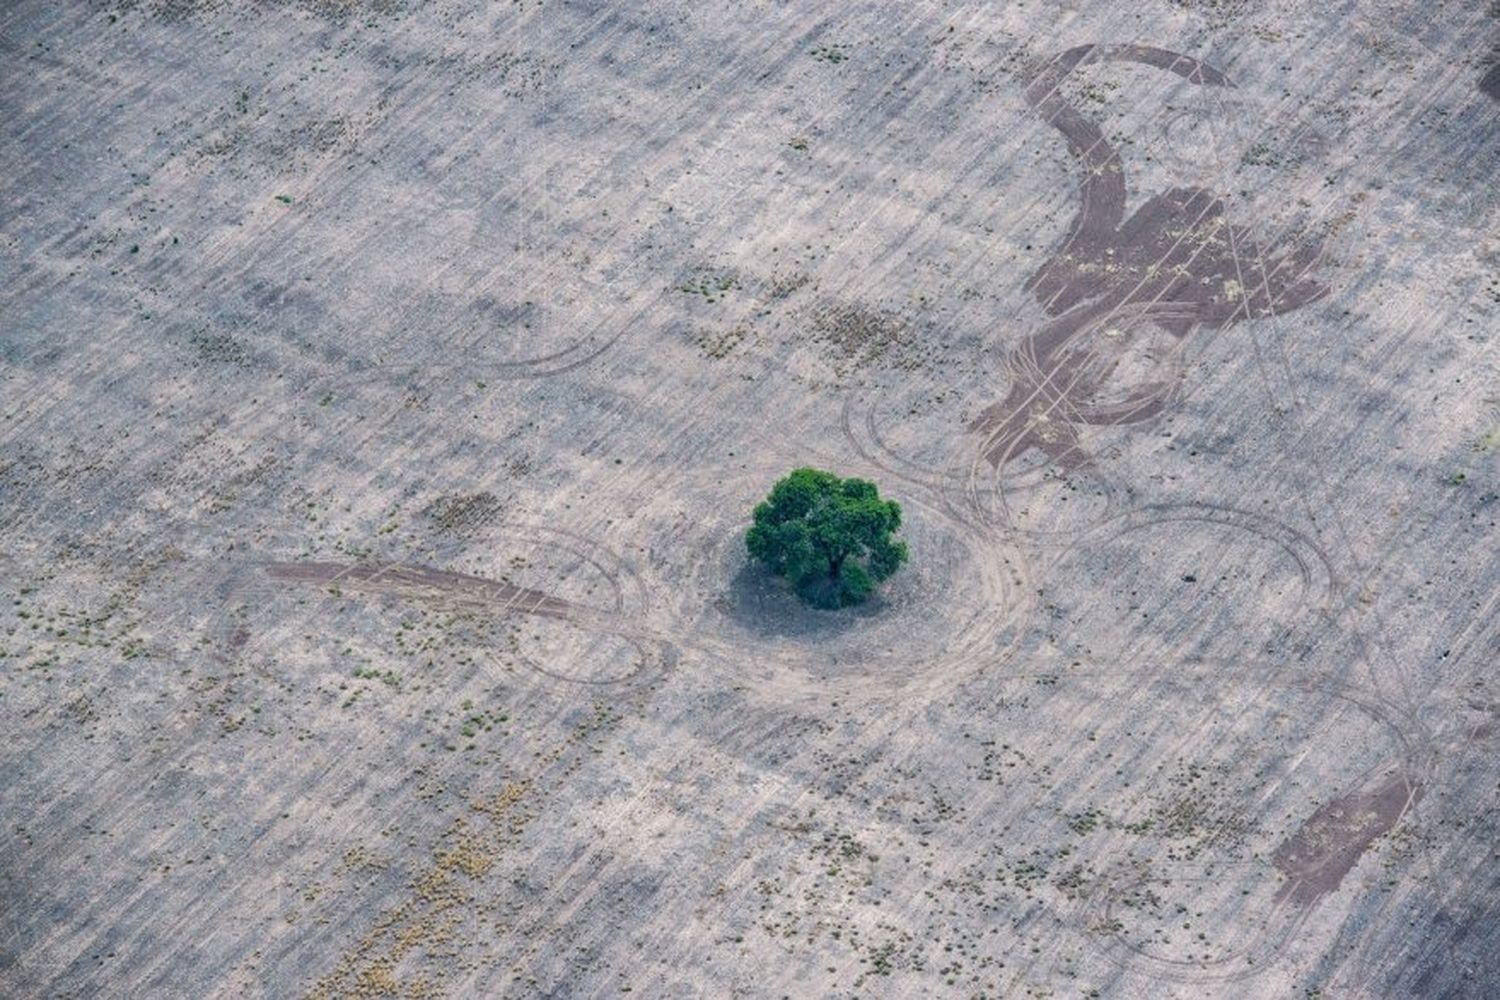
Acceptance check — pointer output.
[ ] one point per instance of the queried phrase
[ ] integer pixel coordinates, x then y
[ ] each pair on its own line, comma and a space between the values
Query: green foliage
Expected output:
830, 537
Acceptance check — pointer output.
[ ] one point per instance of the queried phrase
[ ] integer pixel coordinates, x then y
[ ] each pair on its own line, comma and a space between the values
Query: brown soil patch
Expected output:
391, 578
1177, 264
1316, 858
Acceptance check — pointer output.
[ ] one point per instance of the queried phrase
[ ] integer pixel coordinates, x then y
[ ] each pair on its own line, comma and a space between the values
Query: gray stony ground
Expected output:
384, 388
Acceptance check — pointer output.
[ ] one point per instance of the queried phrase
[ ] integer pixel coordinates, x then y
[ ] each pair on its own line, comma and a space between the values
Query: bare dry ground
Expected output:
385, 386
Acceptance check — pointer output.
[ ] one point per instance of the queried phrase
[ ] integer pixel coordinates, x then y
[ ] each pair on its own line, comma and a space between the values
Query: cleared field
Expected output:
385, 388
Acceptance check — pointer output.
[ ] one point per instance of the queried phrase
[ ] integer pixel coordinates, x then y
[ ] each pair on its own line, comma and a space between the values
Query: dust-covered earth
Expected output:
385, 386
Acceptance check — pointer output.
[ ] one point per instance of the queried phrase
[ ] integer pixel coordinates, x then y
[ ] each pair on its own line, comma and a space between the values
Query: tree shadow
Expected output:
765, 606
1489, 84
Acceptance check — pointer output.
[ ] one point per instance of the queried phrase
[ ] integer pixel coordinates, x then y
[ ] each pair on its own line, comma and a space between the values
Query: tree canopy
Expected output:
830, 537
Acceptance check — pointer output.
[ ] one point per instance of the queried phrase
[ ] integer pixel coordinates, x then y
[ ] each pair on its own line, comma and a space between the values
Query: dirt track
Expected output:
385, 388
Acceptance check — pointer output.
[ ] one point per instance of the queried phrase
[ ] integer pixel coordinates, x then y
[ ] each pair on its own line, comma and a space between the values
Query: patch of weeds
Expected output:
881, 958
859, 336
833, 54
389, 677
782, 286
1261, 155
1073, 883
718, 345
219, 347
481, 721
712, 286
1086, 821
459, 513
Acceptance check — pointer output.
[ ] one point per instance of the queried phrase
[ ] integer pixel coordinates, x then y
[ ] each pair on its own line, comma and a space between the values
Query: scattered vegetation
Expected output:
855, 336
712, 286
219, 347
720, 344
461, 513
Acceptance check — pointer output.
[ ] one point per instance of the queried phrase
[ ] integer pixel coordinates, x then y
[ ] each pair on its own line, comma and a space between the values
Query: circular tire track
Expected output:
751, 625
1192, 140
629, 607
1042, 504
1111, 368
620, 618
1000, 498
1281, 915
1237, 965
1314, 567
858, 421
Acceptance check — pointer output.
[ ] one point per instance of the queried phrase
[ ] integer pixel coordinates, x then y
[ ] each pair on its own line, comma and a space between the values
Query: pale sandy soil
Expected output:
385, 387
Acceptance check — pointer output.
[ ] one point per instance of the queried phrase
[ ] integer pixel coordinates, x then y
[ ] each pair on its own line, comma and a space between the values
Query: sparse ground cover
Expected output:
385, 388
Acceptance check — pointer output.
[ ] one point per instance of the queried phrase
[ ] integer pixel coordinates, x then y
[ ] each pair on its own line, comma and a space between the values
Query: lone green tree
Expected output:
830, 537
